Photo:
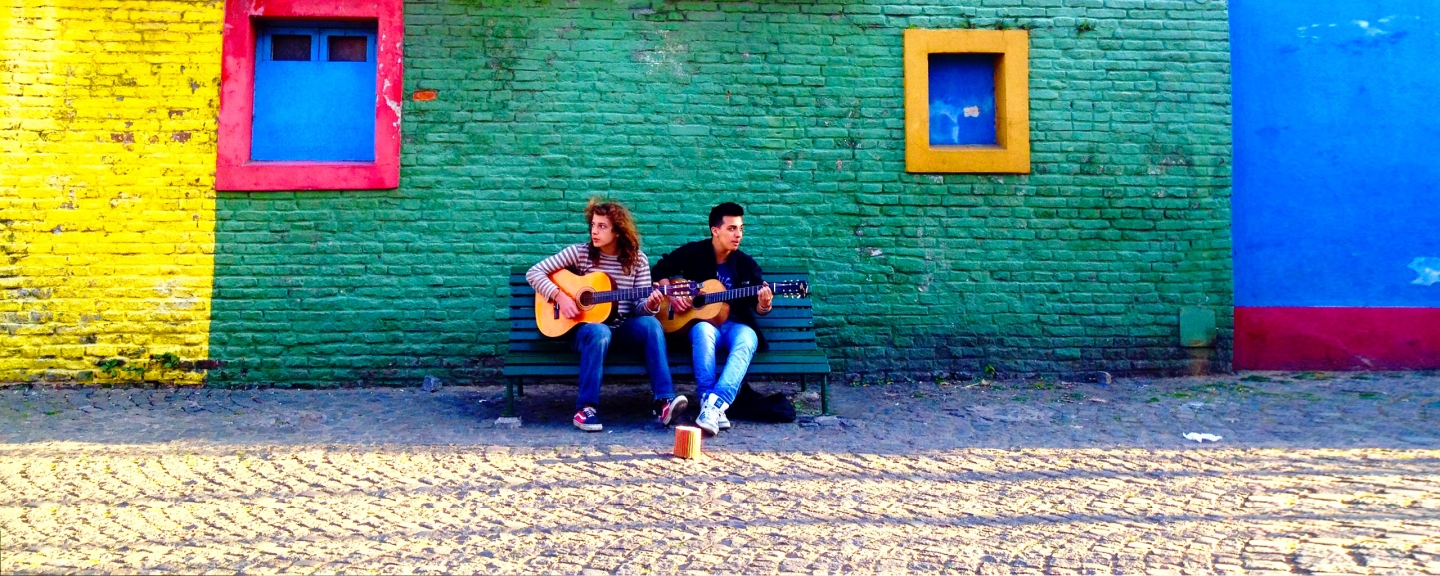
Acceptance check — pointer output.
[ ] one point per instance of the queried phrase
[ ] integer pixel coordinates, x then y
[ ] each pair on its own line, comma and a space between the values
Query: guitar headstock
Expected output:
791, 289
681, 288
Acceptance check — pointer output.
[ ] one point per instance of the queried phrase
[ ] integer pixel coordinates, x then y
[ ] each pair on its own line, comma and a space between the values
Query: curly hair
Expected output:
627, 239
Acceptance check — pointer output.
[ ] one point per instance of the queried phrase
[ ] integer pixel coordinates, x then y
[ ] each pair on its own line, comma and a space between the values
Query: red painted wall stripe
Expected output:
233, 168
1285, 338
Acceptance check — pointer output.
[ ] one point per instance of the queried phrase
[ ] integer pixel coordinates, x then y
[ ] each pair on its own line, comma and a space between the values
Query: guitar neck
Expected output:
627, 294
733, 294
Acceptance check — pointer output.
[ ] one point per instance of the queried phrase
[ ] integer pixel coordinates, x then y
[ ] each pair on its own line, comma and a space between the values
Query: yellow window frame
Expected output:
1011, 154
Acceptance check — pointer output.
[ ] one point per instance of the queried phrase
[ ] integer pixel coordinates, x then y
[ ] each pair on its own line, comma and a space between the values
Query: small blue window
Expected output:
314, 93
962, 99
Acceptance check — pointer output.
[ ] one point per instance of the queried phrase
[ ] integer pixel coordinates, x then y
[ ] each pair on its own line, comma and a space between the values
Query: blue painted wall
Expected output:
1337, 152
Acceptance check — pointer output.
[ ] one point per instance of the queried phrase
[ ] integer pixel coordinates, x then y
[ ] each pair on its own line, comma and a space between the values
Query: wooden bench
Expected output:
788, 328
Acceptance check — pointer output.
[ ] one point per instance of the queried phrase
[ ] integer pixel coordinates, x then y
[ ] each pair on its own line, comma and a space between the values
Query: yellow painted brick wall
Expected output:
107, 162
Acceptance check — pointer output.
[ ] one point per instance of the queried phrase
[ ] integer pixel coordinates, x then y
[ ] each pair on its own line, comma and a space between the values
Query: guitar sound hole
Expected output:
699, 302
586, 299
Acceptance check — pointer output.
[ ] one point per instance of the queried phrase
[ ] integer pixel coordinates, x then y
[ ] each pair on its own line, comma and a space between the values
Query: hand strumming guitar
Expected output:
567, 305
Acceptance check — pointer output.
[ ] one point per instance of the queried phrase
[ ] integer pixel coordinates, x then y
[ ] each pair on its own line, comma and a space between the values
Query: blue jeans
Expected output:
636, 333
707, 341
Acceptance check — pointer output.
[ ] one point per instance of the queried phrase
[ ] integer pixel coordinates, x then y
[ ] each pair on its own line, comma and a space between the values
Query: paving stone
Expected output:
371, 480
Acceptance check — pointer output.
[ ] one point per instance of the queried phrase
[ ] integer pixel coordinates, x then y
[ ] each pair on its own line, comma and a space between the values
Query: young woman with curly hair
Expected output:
626, 240
614, 248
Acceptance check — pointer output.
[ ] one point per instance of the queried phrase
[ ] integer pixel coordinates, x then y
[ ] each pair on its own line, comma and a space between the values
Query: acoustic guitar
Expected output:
711, 297
595, 296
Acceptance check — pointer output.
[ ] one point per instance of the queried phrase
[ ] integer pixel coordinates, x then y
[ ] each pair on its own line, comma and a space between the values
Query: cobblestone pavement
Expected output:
1317, 473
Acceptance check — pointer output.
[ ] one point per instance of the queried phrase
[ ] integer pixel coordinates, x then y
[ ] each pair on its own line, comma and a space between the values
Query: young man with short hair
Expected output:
720, 258
614, 248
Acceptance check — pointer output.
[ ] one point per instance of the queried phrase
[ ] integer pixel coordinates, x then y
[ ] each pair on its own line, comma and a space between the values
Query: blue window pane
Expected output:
962, 99
291, 47
316, 109
348, 48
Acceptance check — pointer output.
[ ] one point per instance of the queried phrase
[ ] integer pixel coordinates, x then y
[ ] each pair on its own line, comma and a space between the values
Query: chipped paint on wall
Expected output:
107, 242
1428, 269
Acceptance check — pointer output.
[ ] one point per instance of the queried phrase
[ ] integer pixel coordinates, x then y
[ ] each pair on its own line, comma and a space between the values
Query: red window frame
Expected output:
233, 168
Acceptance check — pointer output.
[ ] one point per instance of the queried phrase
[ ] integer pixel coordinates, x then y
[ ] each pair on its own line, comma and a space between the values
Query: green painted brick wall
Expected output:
794, 109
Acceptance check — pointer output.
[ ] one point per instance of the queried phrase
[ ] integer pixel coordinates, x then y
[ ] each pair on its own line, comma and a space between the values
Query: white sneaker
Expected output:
724, 422
712, 410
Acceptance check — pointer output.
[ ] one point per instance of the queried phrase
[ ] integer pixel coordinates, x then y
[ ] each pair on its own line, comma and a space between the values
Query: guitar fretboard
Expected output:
628, 294
748, 291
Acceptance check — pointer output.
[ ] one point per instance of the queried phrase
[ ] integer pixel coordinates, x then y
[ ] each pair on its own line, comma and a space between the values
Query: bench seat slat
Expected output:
518, 358
674, 347
569, 365
571, 370
771, 335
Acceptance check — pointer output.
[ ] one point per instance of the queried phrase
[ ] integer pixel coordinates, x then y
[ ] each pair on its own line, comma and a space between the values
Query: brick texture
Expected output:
107, 155
794, 109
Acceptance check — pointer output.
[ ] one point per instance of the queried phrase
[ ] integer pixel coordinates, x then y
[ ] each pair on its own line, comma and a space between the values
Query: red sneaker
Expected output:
667, 410
587, 420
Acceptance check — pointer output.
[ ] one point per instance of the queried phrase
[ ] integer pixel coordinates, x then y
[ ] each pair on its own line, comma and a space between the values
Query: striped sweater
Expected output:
576, 258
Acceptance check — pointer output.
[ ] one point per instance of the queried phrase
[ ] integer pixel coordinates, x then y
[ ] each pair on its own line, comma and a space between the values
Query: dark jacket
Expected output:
696, 262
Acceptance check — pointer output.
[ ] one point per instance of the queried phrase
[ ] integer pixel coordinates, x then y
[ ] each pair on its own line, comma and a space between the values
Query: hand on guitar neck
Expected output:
680, 304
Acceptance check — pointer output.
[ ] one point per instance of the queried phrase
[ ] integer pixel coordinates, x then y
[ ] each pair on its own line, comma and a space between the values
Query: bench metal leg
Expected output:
520, 387
509, 397
803, 382
825, 395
